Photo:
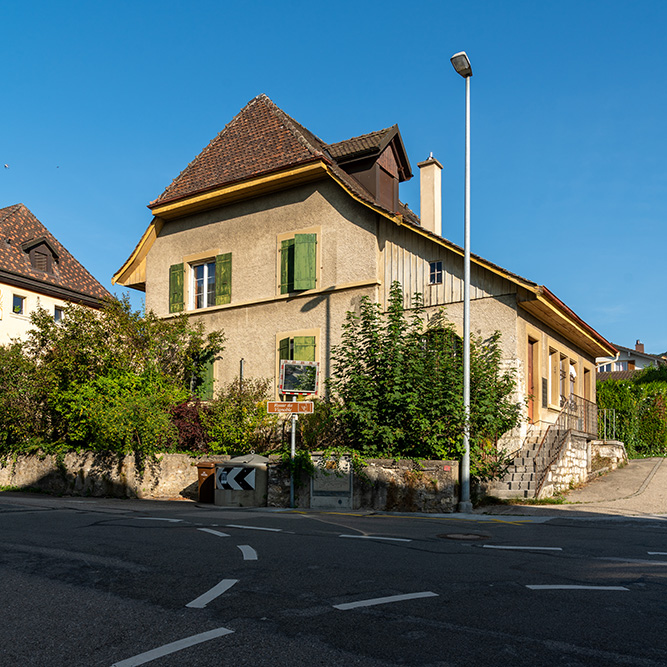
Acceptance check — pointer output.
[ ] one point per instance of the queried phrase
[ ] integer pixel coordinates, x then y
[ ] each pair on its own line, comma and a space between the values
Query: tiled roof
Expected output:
362, 145
18, 227
616, 375
262, 139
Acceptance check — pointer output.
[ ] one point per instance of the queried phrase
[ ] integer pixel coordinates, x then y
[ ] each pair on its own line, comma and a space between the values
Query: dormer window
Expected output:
41, 255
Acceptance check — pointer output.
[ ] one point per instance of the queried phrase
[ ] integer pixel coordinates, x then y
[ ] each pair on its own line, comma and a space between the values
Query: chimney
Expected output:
639, 347
430, 194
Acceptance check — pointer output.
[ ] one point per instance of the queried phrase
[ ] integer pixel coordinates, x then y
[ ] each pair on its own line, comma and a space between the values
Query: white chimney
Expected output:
430, 193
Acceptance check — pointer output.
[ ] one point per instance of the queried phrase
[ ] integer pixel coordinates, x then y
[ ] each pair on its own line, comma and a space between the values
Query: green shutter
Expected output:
283, 347
304, 348
205, 389
223, 279
287, 266
305, 261
176, 288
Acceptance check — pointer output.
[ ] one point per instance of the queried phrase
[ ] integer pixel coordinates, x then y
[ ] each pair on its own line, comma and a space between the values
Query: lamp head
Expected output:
462, 64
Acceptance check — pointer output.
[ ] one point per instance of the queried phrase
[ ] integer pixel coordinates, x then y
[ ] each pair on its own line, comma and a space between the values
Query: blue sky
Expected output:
106, 102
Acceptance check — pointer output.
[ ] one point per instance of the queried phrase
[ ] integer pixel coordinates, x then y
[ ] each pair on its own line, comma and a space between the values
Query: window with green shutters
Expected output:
298, 263
210, 284
298, 348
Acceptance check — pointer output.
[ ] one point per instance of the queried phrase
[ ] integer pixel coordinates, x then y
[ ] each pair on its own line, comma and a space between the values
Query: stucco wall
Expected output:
16, 326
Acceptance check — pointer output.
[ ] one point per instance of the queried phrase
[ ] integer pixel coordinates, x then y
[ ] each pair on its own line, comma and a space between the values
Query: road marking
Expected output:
248, 552
497, 546
391, 598
376, 537
213, 532
642, 561
270, 530
179, 645
657, 553
156, 518
568, 587
216, 591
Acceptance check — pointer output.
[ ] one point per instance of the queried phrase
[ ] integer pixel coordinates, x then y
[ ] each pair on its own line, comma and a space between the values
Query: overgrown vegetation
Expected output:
396, 390
641, 410
116, 381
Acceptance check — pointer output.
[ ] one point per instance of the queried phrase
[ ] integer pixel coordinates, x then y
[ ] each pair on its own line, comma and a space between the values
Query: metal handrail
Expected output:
577, 414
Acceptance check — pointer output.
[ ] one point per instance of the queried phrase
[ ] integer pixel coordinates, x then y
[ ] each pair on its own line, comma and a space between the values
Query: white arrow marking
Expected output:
248, 552
271, 530
567, 587
173, 647
496, 546
391, 598
213, 532
376, 537
215, 592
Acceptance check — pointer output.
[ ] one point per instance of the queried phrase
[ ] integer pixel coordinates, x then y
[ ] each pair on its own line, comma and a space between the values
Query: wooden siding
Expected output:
406, 258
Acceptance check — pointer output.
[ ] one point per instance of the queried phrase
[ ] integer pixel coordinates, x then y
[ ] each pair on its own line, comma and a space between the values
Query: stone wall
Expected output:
383, 484
571, 468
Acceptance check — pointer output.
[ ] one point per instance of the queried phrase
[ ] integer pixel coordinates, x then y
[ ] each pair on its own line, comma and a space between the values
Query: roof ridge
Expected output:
8, 210
363, 136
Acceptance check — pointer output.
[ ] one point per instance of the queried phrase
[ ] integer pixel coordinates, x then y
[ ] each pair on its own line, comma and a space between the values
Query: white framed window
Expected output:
57, 314
435, 273
203, 285
18, 304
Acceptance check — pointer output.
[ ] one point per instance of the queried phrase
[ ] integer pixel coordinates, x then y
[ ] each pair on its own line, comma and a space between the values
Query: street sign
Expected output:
235, 479
290, 407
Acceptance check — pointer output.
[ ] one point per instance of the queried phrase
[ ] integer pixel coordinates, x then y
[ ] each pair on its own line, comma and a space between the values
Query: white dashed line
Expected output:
179, 645
248, 552
213, 532
657, 553
156, 518
270, 530
376, 537
216, 591
387, 600
567, 587
497, 546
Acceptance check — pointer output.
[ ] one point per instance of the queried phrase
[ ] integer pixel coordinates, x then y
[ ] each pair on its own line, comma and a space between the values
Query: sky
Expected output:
105, 103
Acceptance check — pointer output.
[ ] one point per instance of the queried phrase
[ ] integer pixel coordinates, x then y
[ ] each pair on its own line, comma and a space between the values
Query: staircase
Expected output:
521, 478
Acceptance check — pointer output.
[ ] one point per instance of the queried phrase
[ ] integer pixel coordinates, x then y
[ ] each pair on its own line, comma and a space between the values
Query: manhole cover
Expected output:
464, 536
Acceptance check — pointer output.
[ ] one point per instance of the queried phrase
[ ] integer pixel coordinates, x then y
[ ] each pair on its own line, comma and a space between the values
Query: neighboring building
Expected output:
273, 235
629, 359
36, 270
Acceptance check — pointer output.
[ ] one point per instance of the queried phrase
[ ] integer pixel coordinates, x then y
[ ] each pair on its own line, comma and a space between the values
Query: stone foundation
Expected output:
384, 484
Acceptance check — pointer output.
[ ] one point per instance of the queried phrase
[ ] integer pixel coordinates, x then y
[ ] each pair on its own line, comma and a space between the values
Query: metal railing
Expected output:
607, 424
577, 414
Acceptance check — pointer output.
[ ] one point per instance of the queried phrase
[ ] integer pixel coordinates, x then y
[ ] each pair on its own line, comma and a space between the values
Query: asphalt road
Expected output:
109, 582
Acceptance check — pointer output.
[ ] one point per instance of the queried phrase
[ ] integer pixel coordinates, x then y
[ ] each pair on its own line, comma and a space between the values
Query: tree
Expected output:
396, 384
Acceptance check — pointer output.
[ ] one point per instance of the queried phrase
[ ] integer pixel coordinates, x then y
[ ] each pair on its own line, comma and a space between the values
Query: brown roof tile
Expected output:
362, 145
18, 228
262, 139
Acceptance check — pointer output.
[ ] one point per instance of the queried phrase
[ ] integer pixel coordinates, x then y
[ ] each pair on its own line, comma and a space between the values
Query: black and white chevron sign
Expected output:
235, 479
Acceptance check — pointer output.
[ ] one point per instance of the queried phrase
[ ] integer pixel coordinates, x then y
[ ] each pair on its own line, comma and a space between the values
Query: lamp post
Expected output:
462, 65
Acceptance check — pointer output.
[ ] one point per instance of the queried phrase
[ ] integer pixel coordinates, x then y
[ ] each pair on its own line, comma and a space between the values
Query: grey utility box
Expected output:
242, 481
331, 485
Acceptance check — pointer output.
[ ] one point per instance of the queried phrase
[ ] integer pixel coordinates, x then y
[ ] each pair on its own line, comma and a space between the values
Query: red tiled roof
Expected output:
18, 227
262, 139
361, 145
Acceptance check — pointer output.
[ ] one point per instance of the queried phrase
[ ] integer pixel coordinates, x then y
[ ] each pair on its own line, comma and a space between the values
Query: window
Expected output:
57, 314
18, 305
553, 378
435, 273
203, 285
202, 384
298, 263
210, 283
298, 348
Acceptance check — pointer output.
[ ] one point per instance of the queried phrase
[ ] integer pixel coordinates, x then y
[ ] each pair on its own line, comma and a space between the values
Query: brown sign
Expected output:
293, 407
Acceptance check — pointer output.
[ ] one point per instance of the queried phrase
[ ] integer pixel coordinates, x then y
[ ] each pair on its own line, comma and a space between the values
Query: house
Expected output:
37, 271
627, 360
272, 235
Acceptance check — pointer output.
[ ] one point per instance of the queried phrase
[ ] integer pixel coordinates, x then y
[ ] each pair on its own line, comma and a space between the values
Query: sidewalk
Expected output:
638, 489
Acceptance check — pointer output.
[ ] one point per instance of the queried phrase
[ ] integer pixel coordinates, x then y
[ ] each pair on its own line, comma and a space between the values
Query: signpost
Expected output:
296, 378
287, 407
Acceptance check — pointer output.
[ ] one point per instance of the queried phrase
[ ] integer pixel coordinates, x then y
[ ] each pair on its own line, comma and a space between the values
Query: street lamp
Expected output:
463, 67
